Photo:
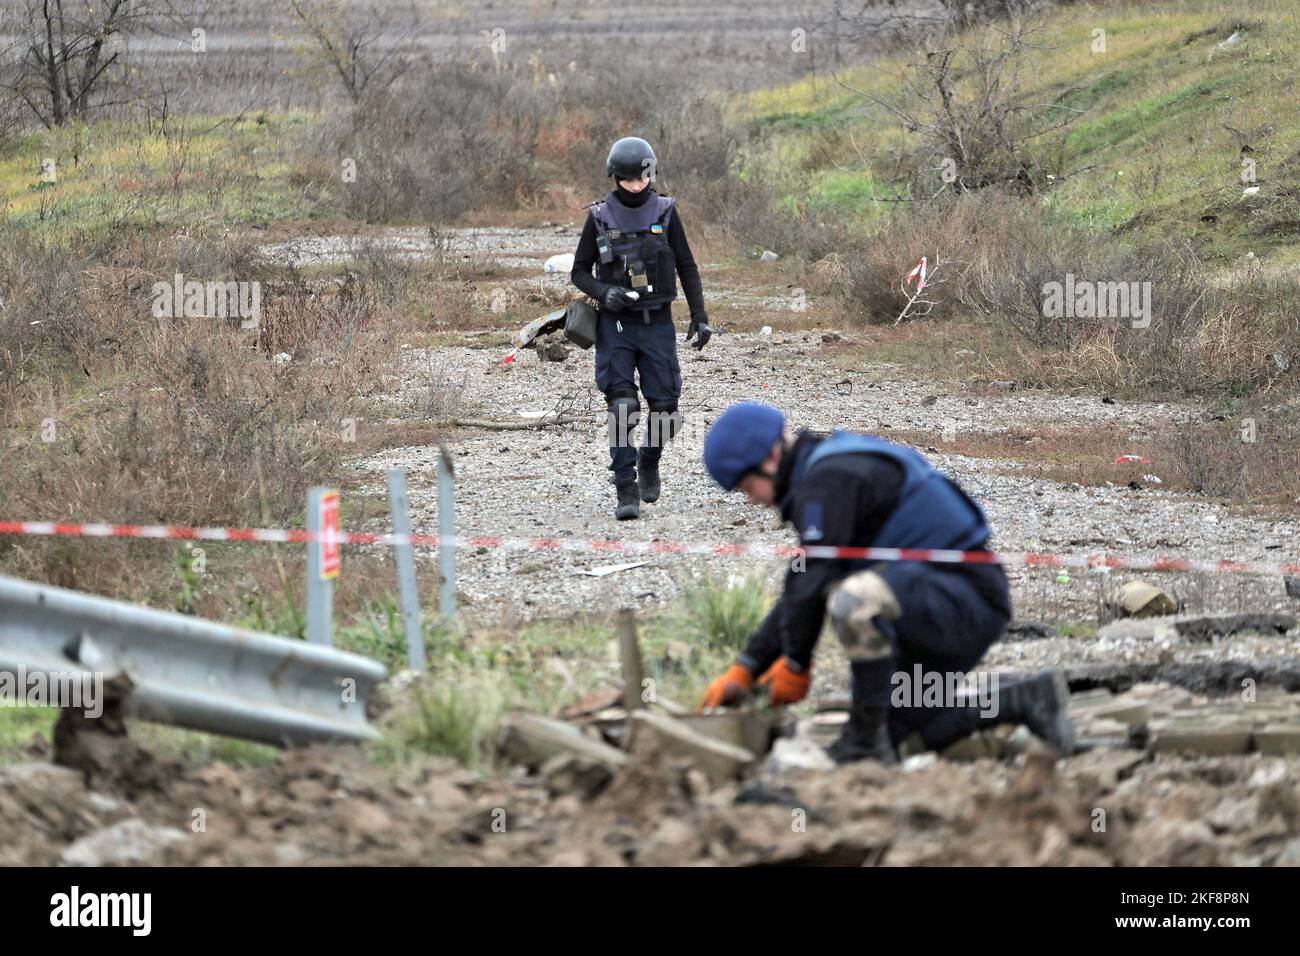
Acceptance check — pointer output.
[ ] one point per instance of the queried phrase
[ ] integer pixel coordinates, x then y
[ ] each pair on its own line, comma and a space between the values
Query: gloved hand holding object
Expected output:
616, 298
730, 689
788, 683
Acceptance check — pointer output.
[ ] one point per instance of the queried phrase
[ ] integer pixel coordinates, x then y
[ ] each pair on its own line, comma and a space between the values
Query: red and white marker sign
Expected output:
330, 552
918, 275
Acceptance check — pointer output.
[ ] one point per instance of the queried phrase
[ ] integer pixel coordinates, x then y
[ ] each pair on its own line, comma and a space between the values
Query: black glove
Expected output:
699, 325
616, 299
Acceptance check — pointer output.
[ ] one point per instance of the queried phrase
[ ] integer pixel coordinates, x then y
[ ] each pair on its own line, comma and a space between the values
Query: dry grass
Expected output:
110, 413
1244, 460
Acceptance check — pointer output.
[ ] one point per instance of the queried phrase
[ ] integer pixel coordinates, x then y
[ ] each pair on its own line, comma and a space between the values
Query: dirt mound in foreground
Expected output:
330, 805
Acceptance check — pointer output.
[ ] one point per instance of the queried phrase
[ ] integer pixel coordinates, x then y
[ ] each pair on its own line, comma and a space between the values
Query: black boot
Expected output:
1041, 703
647, 474
865, 737
629, 502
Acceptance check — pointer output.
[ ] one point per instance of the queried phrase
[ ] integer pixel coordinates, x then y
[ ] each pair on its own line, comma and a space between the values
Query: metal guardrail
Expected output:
190, 672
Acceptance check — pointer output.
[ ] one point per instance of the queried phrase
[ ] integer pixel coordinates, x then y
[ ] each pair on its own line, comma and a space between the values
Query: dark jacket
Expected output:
848, 498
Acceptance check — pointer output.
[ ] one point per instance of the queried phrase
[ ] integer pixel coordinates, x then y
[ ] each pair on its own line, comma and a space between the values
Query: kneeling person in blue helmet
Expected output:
892, 617
630, 254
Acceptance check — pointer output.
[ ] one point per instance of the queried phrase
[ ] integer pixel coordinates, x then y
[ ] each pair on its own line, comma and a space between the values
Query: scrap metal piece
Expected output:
543, 325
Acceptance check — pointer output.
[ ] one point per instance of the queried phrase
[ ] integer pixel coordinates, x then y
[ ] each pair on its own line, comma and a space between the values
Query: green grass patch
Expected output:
1156, 150
91, 178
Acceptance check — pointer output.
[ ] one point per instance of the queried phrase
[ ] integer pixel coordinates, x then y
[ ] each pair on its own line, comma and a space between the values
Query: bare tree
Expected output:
72, 52
964, 94
345, 41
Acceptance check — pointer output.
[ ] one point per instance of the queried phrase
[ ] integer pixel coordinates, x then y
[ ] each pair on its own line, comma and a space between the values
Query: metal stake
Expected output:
404, 555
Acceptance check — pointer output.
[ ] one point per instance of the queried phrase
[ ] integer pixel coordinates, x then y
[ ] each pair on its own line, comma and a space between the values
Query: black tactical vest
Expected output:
632, 248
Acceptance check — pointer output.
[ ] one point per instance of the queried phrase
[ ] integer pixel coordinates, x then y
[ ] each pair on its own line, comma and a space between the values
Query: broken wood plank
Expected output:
667, 735
531, 740
629, 653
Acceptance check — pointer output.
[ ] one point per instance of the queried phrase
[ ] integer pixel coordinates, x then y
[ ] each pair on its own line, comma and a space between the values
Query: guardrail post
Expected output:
446, 537
320, 589
404, 555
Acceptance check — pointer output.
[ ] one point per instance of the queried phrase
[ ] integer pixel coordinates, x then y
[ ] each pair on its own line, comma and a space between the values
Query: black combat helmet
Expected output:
631, 158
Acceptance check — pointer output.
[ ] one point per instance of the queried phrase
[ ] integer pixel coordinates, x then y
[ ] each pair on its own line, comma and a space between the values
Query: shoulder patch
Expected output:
811, 523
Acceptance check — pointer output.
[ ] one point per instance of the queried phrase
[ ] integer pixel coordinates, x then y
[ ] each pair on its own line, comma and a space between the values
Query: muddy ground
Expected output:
1110, 806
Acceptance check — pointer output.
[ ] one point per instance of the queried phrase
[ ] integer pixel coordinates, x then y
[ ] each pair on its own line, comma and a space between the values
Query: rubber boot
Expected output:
647, 475
629, 502
865, 737
1041, 703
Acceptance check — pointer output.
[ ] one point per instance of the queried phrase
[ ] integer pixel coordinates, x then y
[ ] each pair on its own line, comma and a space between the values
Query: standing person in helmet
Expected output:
893, 617
634, 243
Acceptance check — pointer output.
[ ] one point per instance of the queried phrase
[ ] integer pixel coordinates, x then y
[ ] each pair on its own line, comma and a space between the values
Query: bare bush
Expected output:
210, 427
434, 150
348, 41
964, 96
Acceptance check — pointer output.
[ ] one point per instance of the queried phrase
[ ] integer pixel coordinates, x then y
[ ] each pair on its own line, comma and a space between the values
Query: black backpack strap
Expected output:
597, 210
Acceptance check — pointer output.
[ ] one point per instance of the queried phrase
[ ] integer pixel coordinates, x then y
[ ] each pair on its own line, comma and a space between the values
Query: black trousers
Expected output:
628, 350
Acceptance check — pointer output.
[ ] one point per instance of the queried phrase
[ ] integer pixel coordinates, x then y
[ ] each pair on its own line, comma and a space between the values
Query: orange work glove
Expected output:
788, 686
730, 689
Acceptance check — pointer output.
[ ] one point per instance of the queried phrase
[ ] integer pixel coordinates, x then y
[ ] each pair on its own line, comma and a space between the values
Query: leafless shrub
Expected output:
441, 395
209, 427
964, 96
346, 40
428, 151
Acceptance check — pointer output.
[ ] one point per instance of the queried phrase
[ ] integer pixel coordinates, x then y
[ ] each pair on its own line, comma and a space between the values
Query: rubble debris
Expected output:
1205, 677
823, 728
1195, 628
673, 843
1199, 735
797, 753
532, 740
1140, 599
1025, 630
673, 737
542, 325
741, 727
130, 842
1279, 739
862, 851
591, 703
1168, 719
553, 352
573, 774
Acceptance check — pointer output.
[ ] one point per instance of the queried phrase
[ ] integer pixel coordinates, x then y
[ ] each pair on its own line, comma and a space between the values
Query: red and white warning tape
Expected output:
294, 535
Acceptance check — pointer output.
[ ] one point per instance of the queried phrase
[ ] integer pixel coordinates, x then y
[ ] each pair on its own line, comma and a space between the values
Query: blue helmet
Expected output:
740, 440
